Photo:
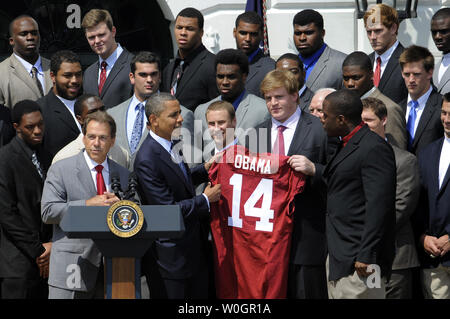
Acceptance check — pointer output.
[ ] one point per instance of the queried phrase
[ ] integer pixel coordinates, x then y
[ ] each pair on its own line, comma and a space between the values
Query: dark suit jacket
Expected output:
7, 131
433, 213
258, 68
117, 87
430, 127
21, 227
360, 219
161, 182
60, 126
308, 241
305, 99
391, 83
198, 82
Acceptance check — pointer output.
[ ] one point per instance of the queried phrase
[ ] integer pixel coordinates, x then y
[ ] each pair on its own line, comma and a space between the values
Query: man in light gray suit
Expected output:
440, 32
80, 180
231, 74
399, 285
145, 77
25, 75
321, 63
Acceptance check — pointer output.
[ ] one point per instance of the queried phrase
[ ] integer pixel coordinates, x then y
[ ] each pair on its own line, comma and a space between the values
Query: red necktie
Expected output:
278, 146
101, 188
102, 77
377, 74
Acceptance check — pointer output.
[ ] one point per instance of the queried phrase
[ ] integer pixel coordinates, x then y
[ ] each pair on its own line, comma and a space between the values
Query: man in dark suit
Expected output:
6, 127
360, 220
175, 268
108, 77
301, 136
190, 77
24, 240
58, 105
322, 64
440, 32
358, 75
25, 74
292, 62
400, 285
433, 214
423, 104
248, 33
381, 23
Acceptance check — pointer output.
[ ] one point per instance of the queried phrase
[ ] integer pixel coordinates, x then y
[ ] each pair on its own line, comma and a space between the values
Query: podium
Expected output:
123, 255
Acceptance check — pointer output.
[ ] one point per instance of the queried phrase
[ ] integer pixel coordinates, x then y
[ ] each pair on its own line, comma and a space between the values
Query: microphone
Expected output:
130, 194
115, 184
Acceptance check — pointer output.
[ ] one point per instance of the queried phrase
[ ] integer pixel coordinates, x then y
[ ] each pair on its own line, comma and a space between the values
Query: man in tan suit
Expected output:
358, 75
25, 74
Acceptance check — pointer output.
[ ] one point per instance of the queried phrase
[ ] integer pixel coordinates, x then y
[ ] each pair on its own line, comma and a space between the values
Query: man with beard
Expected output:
58, 105
25, 74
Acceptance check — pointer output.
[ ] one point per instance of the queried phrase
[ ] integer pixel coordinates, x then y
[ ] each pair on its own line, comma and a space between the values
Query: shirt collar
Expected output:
311, 60
347, 138
238, 100
291, 122
27, 149
253, 55
113, 57
134, 103
300, 92
28, 66
69, 103
387, 54
223, 149
191, 55
423, 99
92, 164
162, 141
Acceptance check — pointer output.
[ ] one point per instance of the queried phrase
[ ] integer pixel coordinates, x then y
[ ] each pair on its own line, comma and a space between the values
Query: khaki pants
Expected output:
436, 282
354, 287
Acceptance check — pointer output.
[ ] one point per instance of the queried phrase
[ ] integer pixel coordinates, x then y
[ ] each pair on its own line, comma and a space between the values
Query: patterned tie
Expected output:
38, 83
36, 163
278, 146
377, 74
101, 187
137, 128
102, 77
179, 72
411, 123
179, 159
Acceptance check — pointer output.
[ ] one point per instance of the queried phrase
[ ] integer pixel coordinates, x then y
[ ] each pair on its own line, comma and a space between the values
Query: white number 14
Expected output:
264, 213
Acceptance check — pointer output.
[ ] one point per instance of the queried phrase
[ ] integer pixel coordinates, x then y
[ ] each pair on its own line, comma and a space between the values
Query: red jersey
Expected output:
252, 223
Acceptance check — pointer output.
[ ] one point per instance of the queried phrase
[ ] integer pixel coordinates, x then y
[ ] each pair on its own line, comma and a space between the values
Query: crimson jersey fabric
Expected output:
251, 249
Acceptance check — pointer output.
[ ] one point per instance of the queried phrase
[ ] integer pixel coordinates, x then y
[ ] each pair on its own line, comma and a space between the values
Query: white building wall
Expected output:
343, 31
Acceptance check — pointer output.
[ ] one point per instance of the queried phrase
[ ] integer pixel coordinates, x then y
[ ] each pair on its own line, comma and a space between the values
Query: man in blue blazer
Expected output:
175, 268
433, 213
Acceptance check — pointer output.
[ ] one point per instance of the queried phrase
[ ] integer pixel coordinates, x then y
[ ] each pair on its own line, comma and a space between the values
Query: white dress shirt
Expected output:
131, 117
105, 172
38, 65
288, 134
443, 66
110, 61
384, 58
422, 102
70, 105
444, 160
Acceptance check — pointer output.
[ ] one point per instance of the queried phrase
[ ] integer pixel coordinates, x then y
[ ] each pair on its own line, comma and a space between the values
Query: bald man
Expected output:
315, 107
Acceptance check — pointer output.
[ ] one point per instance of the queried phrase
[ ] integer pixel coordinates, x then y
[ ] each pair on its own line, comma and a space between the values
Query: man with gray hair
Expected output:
175, 269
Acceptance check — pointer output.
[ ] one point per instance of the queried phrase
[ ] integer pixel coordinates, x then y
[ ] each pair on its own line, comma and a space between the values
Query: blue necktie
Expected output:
179, 159
137, 129
411, 121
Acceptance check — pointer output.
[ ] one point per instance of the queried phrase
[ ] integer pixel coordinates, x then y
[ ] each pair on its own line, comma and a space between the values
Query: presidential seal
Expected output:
125, 218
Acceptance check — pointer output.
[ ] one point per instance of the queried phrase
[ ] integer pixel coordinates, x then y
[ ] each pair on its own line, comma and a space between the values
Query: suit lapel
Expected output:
254, 67
47, 78
84, 174
118, 66
391, 65
300, 135
352, 145
435, 167
192, 69
430, 108
319, 67
242, 110
62, 112
31, 168
21, 73
444, 80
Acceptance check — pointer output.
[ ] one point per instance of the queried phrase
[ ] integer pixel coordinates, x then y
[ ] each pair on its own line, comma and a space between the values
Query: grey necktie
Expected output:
38, 83
36, 163
137, 128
